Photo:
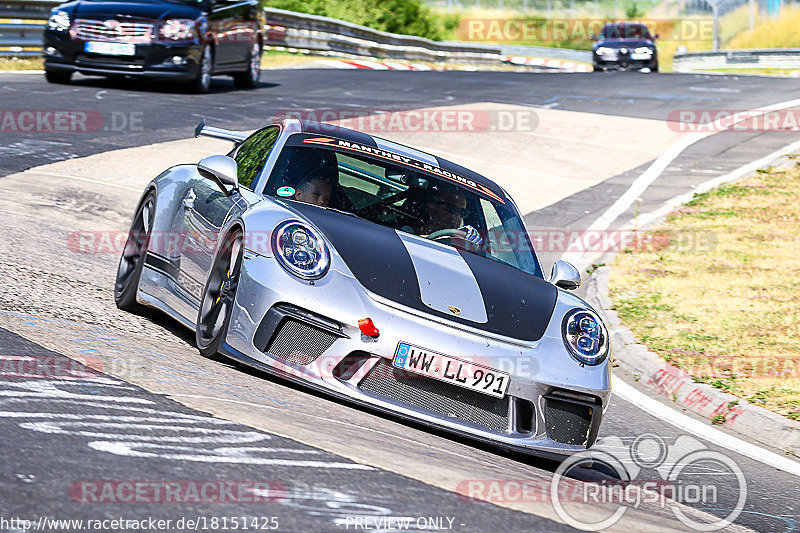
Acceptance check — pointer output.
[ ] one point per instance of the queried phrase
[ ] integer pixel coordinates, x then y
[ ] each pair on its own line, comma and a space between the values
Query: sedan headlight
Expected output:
301, 250
643, 50
177, 30
585, 336
604, 50
58, 21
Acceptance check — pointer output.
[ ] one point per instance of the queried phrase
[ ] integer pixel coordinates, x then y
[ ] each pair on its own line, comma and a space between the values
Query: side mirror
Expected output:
656, 36
593, 37
565, 276
222, 170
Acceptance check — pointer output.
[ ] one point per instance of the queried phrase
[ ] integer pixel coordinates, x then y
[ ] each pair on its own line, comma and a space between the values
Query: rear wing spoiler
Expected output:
236, 137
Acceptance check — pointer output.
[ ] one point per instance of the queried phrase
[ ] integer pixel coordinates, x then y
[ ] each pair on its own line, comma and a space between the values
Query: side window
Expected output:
253, 153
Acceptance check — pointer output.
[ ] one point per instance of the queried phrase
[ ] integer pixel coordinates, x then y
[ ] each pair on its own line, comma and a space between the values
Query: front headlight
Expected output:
643, 50
177, 30
58, 21
301, 250
585, 336
604, 50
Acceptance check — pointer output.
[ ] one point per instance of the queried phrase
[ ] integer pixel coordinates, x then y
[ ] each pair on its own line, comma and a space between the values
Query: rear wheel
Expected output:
219, 294
131, 263
249, 79
202, 83
57, 76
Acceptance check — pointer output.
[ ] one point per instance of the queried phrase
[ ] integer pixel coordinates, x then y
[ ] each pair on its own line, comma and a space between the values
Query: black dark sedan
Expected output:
625, 46
182, 40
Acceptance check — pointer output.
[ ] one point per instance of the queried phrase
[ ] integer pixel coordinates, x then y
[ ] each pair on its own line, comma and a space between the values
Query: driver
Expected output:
447, 210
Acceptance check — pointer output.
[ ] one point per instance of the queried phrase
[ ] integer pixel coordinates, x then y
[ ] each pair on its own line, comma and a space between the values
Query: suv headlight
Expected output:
177, 30
604, 50
585, 336
58, 21
301, 250
643, 50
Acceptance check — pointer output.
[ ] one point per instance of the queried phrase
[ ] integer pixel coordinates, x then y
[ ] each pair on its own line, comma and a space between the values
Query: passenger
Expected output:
316, 191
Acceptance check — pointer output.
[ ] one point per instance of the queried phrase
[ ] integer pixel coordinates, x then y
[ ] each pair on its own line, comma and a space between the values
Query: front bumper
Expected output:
548, 390
154, 59
624, 62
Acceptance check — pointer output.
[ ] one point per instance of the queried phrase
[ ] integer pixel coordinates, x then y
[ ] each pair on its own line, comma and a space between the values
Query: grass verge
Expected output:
21, 63
715, 289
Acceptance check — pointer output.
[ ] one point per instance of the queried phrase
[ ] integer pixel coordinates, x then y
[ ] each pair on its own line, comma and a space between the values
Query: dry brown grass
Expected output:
21, 63
719, 293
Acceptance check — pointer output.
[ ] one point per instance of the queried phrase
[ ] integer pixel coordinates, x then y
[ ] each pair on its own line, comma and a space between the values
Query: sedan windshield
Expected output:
406, 198
625, 31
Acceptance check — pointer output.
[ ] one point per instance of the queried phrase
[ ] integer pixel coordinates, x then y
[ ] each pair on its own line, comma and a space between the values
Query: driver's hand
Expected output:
472, 235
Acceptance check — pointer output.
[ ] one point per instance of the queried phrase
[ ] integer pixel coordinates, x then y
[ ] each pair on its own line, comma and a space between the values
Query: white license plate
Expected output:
456, 371
111, 49
640, 56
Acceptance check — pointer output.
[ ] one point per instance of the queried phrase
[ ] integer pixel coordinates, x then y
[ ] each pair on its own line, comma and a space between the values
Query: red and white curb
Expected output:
558, 64
376, 65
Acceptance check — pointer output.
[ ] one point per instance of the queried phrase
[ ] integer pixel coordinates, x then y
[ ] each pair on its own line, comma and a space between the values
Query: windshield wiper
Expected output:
341, 211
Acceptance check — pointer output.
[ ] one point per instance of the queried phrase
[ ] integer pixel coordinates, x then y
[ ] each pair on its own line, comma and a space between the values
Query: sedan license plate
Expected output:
445, 368
640, 56
111, 49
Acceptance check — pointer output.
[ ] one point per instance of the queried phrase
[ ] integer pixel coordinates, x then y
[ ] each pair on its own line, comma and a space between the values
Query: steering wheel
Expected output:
444, 233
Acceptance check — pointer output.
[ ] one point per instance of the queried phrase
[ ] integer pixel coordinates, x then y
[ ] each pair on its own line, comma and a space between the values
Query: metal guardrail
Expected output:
779, 58
21, 24
566, 54
313, 32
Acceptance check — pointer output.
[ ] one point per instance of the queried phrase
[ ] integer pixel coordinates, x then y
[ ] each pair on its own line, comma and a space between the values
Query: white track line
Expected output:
89, 180
627, 392
669, 205
701, 429
640, 184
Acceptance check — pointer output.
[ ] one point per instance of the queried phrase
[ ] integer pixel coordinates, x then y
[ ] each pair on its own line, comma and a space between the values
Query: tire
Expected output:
219, 294
654, 68
249, 78
595, 68
58, 76
202, 82
131, 263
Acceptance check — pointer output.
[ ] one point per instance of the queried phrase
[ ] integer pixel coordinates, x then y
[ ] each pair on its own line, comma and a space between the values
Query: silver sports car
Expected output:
377, 273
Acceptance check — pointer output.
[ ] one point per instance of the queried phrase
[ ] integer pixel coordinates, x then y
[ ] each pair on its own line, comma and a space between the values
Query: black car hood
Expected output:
624, 43
518, 305
141, 9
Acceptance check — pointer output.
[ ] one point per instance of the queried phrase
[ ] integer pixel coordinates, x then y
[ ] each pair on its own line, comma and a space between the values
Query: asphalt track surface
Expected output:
42, 461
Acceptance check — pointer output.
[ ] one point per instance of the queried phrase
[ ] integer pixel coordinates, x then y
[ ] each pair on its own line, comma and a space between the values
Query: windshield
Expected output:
413, 201
625, 31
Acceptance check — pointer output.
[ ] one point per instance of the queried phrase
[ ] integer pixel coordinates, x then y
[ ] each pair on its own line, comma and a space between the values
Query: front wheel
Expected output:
249, 78
202, 83
57, 76
219, 295
131, 263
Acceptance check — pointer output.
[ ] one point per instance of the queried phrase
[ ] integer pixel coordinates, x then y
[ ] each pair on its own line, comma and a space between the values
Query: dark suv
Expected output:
623, 46
182, 40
